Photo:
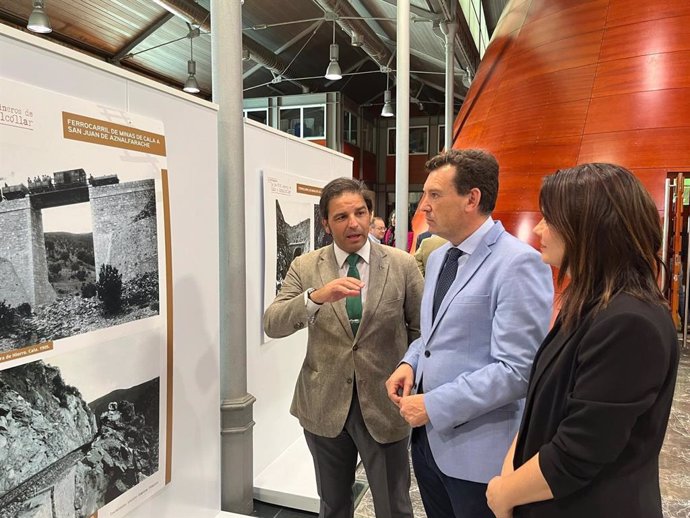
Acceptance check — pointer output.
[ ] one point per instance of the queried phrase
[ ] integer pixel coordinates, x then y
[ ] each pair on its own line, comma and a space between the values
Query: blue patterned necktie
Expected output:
353, 305
446, 278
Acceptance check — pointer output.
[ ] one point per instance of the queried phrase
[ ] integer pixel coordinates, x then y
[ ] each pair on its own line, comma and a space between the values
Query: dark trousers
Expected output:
335, 460
444, 496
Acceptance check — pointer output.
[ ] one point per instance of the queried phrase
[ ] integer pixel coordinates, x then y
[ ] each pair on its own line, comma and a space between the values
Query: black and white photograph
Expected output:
78, 252
321, 237
291, 226
293, 236
84, 349
78, 429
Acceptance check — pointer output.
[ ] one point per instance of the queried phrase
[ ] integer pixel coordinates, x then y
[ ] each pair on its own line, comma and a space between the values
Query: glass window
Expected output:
350, 128
368, 136
441, 137
290, 121
260, 115
314, 122
419, 140
306, 121
474, 14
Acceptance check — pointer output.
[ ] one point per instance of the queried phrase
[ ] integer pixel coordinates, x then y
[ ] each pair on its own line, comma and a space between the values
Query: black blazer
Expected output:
597, 407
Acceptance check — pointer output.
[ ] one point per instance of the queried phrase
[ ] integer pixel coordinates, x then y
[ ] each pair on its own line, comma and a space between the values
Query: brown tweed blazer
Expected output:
390, 322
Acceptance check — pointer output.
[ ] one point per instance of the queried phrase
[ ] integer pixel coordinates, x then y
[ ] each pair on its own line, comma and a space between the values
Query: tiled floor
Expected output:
264, 510
674, 464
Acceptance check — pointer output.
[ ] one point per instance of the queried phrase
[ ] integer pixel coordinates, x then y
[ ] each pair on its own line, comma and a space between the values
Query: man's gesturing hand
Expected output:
337, 289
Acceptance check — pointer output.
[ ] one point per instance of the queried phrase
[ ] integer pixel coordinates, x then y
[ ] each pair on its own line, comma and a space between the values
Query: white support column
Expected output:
236, 404
450, 82
402, 124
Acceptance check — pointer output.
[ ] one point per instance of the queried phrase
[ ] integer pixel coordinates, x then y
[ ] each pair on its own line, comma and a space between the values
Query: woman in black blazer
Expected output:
602, 382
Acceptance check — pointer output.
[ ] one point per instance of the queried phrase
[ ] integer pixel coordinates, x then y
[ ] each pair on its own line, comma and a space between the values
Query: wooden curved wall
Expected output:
565, 82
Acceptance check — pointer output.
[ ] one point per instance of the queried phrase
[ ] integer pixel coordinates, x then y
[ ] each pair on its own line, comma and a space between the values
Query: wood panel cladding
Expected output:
565, 82
624, 13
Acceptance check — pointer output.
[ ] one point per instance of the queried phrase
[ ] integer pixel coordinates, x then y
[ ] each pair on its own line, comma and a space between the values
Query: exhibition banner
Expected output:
85, 307
292, 225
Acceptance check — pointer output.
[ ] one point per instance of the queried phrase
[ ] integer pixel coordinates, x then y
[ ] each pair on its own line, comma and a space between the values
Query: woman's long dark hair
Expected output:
612, 235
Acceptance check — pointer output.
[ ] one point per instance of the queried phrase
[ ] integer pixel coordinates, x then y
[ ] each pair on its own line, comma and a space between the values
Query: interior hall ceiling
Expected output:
287, 42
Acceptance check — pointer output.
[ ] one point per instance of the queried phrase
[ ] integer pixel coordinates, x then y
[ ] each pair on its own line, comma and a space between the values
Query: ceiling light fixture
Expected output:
333, 72
39, 21
191, 85
387, 110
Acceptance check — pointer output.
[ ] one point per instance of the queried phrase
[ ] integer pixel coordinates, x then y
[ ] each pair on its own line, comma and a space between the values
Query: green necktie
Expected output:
353, 305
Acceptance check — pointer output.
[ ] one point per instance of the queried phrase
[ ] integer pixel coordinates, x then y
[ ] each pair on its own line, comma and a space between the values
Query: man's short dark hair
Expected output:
376, 218
473, 168
340, 186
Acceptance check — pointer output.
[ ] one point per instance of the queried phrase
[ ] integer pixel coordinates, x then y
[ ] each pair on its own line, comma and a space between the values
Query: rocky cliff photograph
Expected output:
64, 454
84, 345
321, 237
292, 240
78, 252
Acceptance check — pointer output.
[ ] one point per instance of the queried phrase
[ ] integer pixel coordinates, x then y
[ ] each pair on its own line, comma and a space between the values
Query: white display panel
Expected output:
83, 310
272, 367
192, 166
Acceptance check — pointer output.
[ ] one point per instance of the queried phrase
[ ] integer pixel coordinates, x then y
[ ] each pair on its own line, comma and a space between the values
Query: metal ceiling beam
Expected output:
131, 45
11, 19
424, 57
198, 16
463, 37
372, 44
353, 68
343, 8
268, 59
313, 27
97, 52
371, 20
189, 11
435, 86
423, 13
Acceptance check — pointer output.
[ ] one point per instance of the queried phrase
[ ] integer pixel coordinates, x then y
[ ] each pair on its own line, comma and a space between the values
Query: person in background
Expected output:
424, 250
421, 237
602, 383
486, 307
377, 229
389, 235
360, 303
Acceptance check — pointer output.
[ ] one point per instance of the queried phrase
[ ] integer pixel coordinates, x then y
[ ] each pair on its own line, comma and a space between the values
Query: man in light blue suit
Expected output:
486, 308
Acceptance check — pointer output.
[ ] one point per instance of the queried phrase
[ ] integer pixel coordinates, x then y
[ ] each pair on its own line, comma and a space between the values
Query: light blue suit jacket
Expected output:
475, 358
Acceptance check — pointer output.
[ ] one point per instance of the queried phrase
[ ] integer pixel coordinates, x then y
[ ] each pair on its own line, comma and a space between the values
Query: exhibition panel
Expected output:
273, 365
85, 301
118, 145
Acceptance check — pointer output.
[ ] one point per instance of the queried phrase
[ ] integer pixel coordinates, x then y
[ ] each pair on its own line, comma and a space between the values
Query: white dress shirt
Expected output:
341, 260
469, 245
